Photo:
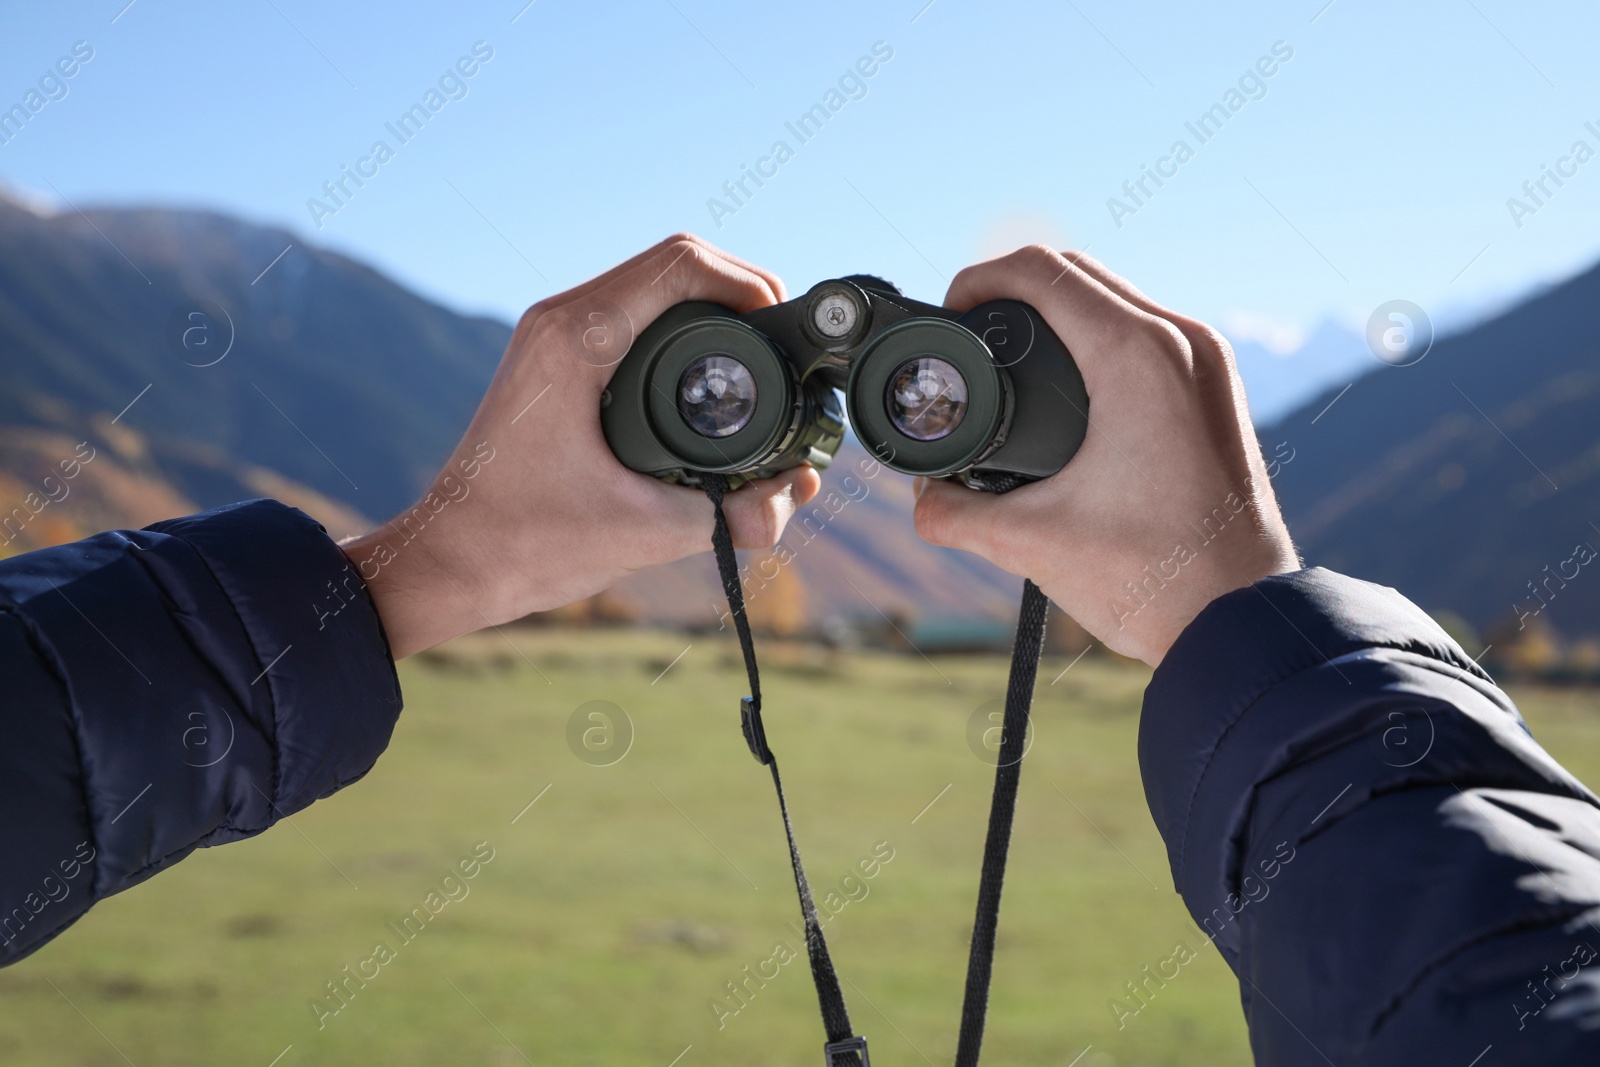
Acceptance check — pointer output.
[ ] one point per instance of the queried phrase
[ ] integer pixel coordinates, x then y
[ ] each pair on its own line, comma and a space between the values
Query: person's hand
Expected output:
1166, 506
532, 511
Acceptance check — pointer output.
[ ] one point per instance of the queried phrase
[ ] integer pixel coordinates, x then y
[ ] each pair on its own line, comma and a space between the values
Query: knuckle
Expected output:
1039, 258
530, 321
1208, 341
1082, 260
682, 247
680, 268
1166, 337
963, 281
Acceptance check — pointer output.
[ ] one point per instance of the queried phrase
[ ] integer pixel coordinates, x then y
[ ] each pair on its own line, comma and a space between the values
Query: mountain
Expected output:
239, 348
1278, 382
201, 360
1471, 479
176, 360
1284, 369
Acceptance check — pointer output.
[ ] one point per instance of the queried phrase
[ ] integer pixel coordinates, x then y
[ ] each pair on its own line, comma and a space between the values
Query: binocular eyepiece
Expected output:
990, 396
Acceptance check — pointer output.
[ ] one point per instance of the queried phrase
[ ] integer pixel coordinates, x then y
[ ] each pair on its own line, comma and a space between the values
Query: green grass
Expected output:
618, 906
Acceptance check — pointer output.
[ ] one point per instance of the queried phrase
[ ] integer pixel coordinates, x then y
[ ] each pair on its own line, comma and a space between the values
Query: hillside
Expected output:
337, 379
1471, 477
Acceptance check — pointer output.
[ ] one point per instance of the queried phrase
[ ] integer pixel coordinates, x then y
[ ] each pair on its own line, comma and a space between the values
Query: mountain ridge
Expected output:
1459, 479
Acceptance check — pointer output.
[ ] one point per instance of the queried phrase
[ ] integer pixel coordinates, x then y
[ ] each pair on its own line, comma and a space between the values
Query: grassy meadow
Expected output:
617, 908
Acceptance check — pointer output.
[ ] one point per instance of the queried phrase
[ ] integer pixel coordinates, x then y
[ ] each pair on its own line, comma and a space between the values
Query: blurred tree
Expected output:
606, 607
1583, 660
1529, 647
1462, 631
777, 605
1063, 636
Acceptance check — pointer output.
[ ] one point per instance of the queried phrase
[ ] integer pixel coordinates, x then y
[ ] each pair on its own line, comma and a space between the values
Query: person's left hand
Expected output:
533, 511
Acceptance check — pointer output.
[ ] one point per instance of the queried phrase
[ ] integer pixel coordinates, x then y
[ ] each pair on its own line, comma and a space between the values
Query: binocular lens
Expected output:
927, 398
716, 395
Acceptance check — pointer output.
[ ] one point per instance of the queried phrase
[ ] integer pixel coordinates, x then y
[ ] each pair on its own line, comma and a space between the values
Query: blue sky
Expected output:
1374, 164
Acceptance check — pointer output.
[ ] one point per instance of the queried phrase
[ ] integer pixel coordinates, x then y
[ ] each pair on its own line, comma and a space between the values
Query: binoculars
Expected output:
989, 396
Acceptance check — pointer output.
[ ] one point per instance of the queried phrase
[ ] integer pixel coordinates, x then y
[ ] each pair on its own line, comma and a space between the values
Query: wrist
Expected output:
1276, 560
420, 600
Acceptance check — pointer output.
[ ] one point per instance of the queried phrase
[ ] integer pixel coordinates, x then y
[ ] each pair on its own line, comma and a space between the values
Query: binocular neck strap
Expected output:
844, 1048
1007, 775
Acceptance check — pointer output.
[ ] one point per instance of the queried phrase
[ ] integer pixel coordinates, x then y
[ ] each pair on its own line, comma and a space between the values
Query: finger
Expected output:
630, 267
1088, 317
650, 254
757, 513
579, 291
602, 324
1201, 336
774, 282
1212, 351
685, 269
953, 516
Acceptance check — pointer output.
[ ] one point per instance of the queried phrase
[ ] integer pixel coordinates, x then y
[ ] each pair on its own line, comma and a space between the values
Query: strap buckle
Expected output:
755, 734
843, 1048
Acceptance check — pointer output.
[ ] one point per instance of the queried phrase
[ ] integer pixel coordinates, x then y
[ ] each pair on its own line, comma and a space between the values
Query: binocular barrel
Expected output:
990, 396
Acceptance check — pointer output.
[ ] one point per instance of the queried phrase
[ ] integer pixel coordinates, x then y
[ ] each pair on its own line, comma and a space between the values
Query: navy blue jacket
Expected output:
1358, 819
171, 688
1355, 814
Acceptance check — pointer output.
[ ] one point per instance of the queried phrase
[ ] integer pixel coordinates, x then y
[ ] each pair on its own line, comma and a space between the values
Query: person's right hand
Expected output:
1166, 506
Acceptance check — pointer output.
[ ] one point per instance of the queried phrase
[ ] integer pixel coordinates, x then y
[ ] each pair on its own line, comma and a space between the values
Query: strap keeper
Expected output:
755, 734
844, 1048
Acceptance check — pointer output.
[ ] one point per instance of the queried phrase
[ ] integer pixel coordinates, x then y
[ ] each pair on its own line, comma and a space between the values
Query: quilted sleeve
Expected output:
1360, 822
171, 688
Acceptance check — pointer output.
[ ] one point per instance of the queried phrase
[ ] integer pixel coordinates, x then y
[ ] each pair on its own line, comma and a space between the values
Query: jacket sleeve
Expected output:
1358, 819
171, 688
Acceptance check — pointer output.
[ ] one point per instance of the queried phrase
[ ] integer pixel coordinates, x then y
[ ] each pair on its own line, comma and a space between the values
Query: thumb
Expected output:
951, 515
757, 513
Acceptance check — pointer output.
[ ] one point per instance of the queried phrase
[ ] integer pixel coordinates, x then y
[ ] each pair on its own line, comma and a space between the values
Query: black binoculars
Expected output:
990, 396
